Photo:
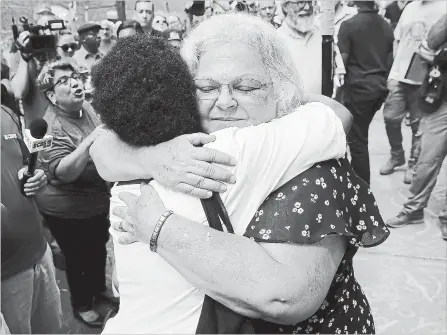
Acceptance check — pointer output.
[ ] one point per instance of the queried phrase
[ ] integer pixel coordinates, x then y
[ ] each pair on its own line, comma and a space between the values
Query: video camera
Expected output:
38, 41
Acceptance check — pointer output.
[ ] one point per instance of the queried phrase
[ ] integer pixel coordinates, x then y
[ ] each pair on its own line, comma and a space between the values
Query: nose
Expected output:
225, 100
74, 83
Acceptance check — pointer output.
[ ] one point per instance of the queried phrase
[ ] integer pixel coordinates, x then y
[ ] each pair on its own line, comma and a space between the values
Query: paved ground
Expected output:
404, 278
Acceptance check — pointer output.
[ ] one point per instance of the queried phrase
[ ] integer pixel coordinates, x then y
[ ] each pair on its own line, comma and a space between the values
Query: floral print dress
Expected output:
328, 198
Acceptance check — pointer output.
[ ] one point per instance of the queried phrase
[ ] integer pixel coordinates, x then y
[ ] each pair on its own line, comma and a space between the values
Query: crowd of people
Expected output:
204, 149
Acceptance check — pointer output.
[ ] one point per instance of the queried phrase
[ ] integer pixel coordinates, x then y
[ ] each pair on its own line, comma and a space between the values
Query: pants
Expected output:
31, 301
83, 242
433, 152
363, 112
402, 98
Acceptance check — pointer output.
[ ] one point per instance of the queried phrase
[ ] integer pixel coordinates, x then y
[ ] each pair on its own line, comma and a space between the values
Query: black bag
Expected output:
434, 87
216, 318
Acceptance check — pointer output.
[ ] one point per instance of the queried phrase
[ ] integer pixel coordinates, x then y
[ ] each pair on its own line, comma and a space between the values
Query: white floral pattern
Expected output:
305, 211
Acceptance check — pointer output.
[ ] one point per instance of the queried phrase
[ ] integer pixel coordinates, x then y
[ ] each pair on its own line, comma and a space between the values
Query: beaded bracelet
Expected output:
157, 229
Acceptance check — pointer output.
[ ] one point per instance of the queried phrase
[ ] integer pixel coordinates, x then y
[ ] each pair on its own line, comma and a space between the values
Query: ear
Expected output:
51, 96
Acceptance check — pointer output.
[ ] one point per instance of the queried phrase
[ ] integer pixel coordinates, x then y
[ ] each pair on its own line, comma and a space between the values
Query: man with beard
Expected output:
303, 38
89, 53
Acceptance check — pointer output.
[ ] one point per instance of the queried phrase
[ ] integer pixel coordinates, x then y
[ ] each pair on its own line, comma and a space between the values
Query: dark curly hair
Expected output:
144, 92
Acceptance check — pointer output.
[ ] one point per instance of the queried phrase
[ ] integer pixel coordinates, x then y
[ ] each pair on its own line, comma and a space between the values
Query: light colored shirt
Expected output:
154, 297
306, 54
413, 27
87, 59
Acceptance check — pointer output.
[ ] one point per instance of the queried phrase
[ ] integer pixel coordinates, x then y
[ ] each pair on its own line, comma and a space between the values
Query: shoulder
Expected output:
8, 119
53, 121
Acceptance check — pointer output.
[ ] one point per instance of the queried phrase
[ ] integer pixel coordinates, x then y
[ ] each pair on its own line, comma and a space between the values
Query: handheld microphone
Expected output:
36, 140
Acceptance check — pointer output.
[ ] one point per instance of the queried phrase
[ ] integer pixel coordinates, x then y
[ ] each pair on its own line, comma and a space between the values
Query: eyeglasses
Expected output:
209, 89
66, 47
65, 79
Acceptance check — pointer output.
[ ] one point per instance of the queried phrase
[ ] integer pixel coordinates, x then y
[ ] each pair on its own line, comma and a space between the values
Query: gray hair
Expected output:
45, 80
259, 35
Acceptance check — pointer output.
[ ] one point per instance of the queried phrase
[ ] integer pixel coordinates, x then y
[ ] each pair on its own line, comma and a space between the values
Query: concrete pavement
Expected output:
404, 278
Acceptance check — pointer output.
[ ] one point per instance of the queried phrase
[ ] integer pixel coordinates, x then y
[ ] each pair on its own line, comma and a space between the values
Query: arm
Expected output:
20, 80
437, 34
341, 111
256, 280
344, 43
70, 167
266, 281
177, 164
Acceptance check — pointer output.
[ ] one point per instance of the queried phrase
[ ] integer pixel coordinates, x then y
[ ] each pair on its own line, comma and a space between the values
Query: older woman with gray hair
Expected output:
293, 272
75, 204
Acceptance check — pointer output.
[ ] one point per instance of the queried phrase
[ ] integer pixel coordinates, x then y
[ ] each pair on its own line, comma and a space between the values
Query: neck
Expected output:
148, 29
90, 48
107, 41
71, 111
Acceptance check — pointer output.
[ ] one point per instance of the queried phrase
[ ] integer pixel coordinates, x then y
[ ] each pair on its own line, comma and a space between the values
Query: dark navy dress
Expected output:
329, 198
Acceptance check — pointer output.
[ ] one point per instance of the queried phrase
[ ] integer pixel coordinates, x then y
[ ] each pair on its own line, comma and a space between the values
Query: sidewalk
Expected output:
405, 277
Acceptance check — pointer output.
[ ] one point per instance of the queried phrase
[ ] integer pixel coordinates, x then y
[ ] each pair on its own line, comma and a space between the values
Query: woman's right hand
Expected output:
184, 166
90, 139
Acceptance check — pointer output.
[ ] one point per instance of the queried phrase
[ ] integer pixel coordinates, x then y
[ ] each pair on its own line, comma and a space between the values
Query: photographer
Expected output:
30, 298
434, 134
25, 67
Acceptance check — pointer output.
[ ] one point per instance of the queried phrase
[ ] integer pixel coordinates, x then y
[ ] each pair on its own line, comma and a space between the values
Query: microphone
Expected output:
36, 140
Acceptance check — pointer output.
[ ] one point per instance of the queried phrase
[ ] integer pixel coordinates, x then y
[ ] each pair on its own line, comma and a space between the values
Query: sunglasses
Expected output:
66, 47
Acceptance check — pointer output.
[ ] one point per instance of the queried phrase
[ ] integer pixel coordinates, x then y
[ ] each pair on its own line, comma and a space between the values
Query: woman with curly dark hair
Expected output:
296, 265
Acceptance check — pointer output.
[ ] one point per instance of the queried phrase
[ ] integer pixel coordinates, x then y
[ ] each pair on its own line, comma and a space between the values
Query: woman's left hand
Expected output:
140, 215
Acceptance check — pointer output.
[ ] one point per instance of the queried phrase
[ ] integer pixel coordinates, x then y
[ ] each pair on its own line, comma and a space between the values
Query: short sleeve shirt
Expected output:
86, 59
413, 27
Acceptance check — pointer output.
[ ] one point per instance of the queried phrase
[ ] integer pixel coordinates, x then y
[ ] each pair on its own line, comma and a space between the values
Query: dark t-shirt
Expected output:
88, 195
368, 40
23, 241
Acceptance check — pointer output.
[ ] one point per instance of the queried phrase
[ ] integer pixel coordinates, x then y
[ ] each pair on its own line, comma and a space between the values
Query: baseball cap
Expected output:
88, 27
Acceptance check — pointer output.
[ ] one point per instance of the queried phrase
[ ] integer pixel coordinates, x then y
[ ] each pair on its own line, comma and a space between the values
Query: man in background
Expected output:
30, 297
89, 53
144, 15
433, 142
405, 79
267, 9
366, 45
300, 33
106, 35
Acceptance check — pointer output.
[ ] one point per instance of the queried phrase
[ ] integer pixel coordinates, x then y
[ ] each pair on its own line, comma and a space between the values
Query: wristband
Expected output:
157, 229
